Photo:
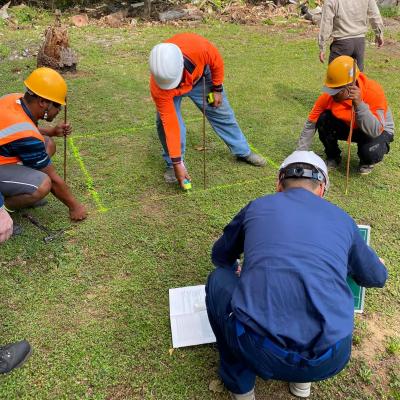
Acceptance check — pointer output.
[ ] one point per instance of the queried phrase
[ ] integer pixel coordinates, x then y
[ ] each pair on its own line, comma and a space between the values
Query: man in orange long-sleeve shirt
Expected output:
177, 67
331, 116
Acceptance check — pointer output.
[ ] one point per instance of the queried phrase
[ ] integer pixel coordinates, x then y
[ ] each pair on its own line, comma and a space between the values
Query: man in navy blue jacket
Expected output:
288, 314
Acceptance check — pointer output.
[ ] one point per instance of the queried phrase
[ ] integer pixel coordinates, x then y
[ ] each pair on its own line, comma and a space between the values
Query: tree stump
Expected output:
55, 51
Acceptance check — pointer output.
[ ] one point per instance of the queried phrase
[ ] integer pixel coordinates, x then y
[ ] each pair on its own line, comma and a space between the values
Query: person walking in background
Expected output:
177, 67
346, 23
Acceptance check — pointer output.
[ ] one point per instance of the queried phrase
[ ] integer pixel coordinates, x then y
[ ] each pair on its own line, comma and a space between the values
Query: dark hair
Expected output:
29, 97
292, 176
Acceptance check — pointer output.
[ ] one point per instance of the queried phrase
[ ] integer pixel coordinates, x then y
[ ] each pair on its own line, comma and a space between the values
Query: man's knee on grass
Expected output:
40, 193
372, 153
43, 190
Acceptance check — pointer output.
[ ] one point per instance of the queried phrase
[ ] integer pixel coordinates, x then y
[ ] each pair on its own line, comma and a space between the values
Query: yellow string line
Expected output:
123, 130
96, 196
89, 179
115, 132
135, 129
190, 192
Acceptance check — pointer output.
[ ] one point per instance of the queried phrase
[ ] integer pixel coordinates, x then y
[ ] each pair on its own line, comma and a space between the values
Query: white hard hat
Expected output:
308, 157
166, 65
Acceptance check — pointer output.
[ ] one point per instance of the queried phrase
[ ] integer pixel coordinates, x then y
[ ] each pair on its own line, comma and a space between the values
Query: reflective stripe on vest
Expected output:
17, 128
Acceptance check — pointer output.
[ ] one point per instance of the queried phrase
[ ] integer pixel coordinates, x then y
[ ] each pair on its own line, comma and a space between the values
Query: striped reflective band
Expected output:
17, 128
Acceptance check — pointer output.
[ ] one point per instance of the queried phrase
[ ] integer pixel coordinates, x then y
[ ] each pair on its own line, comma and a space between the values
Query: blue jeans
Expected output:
222, 119
243, 356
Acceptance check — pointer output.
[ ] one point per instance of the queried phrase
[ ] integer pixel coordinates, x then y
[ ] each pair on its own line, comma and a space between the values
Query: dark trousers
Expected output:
243, 355
370, 150
353, 47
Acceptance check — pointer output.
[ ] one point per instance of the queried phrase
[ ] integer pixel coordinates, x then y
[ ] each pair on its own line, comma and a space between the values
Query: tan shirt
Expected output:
344, 19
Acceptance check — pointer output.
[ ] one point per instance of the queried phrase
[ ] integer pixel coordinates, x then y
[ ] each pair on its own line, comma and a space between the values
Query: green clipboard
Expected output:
359, 291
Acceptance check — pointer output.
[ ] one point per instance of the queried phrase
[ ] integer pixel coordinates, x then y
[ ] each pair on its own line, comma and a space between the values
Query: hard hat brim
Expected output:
169, 85
332, 91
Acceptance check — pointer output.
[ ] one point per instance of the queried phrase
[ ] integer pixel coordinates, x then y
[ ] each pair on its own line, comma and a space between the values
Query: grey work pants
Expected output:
353, 47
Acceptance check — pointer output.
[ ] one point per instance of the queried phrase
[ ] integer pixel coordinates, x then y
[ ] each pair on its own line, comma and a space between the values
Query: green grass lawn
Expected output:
94, 304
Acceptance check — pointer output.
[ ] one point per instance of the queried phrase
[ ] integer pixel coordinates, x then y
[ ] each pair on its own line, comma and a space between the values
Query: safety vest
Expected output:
15, 124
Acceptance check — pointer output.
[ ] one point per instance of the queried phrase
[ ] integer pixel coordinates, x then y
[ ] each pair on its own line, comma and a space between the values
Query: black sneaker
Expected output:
14, 355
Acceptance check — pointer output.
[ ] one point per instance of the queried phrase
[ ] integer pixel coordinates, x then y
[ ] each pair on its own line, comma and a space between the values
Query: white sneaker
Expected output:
300, 389
245, 396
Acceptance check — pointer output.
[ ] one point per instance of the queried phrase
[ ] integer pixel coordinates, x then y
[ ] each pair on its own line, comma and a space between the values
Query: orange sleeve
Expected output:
376, 99
214, 59
201, 52
164, 101
320, 106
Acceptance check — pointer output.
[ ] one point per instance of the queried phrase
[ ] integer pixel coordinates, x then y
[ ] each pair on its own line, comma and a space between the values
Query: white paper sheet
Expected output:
188, 315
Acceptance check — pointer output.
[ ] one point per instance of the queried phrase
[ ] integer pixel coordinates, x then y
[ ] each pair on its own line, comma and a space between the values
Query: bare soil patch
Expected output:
379, 329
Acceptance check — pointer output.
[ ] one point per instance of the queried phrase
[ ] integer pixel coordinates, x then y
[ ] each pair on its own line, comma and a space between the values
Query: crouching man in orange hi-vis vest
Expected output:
26, 172
332, 113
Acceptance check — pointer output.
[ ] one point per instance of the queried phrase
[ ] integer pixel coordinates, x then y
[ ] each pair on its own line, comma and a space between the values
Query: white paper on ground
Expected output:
188, 315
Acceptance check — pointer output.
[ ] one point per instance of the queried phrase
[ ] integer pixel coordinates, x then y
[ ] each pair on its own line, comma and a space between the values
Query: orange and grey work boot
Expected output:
253, 159
245, 396
300, 389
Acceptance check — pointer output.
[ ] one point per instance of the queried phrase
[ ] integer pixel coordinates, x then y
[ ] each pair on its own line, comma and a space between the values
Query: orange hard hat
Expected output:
340, 72
48, 84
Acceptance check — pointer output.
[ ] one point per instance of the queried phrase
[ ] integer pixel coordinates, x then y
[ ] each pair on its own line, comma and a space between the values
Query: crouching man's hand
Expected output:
181, 173
6, 225
59, 188
62, 129
78, 212
217, 99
